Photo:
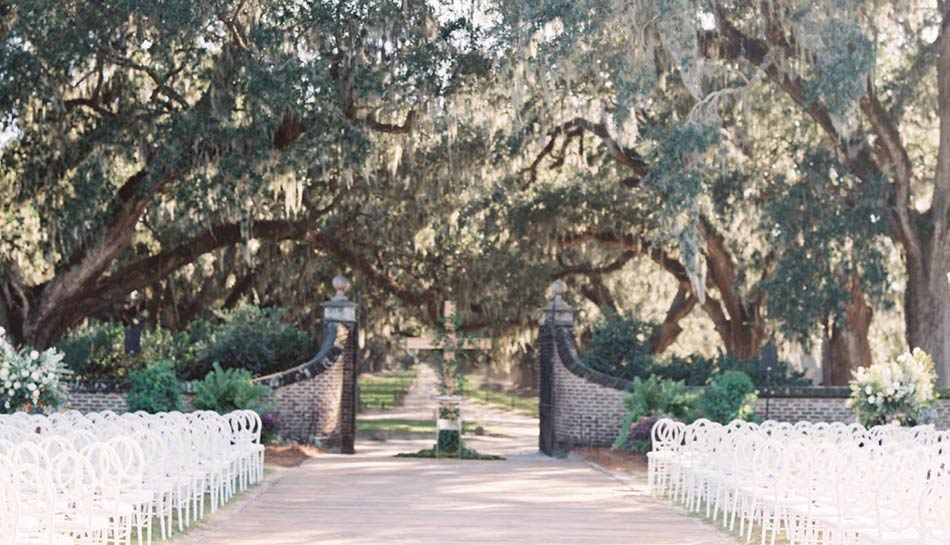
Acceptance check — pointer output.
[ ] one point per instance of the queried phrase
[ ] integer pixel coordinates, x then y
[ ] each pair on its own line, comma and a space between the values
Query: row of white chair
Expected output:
816, 483
90, 479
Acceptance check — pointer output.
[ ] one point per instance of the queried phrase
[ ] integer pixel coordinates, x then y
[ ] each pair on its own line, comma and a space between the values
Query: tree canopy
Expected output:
777, 167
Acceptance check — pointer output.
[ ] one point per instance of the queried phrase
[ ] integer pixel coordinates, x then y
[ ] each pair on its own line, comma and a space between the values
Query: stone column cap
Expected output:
563, 313
339, 308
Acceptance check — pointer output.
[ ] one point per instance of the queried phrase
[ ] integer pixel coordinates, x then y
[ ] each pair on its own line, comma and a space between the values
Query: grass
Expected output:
384, 390
403, 426
467, 454
522, 404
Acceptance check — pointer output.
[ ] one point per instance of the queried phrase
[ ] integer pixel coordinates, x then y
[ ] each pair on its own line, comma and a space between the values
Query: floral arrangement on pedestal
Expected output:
894, 391
29, 379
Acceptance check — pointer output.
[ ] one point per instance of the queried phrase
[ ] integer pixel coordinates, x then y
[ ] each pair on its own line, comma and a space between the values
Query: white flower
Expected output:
871, 400
34, 355
3, 332
868, 390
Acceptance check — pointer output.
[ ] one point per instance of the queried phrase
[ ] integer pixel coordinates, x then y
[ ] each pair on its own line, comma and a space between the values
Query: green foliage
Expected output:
729, 396
224, 390
653, 397
620, 346
384, 389
248, 337
154, 388
254, 339
697, 370
96, 351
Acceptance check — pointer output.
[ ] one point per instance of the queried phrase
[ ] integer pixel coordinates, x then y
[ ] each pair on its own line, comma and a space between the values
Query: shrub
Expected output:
697, 370
654, 397
692, 371
155, 388
95, 351
894, 391
248, 337
270, 427
640, 437
620, 346
729, 396
224, 390
255, 339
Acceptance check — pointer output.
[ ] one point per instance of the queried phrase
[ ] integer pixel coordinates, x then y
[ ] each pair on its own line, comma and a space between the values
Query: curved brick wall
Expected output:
307, 398
587, 406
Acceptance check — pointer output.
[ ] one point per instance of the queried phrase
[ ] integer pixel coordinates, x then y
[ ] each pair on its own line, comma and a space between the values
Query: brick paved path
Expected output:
374, 498
377, 499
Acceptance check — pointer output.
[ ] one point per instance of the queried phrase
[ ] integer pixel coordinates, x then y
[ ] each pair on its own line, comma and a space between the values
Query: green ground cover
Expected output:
477, 390
384, 390
404, 426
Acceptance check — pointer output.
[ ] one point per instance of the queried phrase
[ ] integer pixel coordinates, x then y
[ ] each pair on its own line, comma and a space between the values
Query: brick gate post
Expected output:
554, 315
340, 309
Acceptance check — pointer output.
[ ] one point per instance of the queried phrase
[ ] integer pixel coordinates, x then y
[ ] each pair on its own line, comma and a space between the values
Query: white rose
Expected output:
31, 387
871, 400
868, 390
16, 385
34, 355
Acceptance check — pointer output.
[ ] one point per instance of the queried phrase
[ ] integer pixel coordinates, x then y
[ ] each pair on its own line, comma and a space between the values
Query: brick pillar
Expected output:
342, 310
348, 396
555, 315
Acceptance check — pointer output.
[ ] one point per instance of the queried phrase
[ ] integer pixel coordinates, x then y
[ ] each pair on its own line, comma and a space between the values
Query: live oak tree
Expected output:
140, 137
713, 166
756, 153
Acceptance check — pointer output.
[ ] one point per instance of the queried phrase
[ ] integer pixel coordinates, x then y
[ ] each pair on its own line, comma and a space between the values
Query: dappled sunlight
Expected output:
526, 499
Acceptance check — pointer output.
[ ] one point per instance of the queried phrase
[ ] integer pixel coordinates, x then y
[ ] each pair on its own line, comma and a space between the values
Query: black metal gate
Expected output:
546, 440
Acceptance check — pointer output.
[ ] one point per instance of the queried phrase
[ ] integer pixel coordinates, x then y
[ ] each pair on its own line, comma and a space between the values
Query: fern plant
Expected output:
224, 390
652, 398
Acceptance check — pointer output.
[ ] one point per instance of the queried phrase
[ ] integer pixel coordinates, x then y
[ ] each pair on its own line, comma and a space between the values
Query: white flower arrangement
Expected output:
894, 391
30, 379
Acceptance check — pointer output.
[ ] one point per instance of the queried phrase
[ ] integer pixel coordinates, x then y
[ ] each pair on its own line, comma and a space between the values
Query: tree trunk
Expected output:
927, 314
667, 332
848, 347
927, 303
746, 340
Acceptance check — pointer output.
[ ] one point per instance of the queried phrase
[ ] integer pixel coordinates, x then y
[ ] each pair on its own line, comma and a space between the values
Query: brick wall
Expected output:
306, 398
816, 405
587, 406
93, 402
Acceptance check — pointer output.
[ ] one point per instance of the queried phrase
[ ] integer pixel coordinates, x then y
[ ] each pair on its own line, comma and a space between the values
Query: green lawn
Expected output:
403, 426
522, 404
384, 390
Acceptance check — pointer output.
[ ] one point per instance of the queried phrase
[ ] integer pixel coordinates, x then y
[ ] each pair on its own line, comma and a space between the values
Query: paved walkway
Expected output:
373, 498
509, 433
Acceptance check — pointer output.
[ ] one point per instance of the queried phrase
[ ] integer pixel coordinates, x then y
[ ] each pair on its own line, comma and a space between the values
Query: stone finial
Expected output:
562, 313
340, 283
339, 308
